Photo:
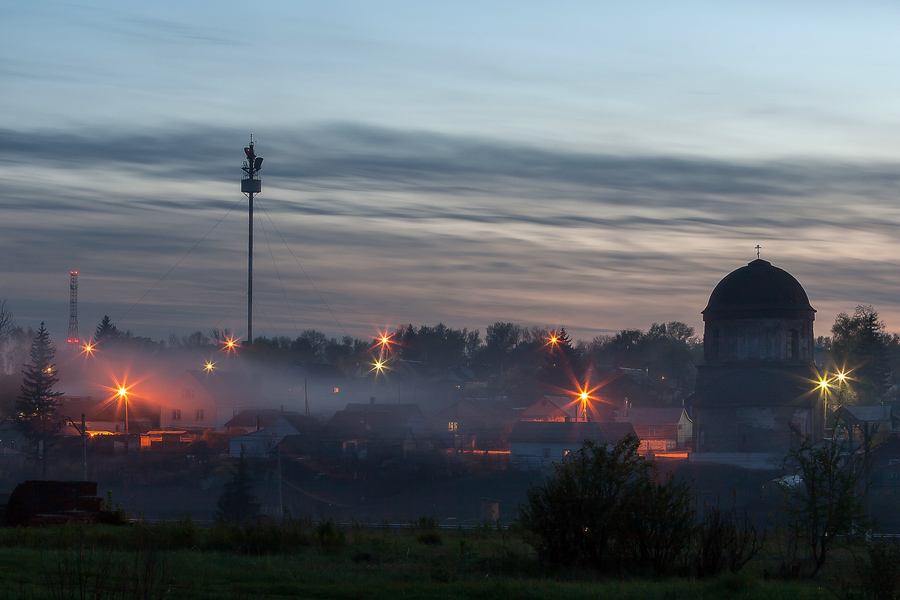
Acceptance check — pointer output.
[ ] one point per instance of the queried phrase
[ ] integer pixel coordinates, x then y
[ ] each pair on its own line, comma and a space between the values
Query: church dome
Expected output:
758, 290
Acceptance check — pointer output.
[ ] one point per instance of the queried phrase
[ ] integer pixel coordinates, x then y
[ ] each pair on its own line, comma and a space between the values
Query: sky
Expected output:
592, 165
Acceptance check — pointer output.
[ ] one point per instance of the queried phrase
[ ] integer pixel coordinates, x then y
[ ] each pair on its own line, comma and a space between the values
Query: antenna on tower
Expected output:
251, 184
73, 338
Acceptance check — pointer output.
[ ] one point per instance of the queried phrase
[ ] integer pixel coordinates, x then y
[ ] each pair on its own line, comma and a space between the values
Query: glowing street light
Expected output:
553, 339
826, 383
230, 344
209, 366
384, 341
88, 349
122, 394
584, 395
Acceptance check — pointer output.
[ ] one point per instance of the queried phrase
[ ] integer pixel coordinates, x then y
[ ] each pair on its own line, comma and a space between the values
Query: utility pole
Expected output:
251, 185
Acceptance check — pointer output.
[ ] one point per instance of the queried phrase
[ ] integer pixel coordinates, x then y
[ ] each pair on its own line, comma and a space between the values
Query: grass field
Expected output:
320, 560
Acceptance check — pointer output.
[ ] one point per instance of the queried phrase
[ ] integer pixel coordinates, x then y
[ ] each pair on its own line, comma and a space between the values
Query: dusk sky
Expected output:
591, 165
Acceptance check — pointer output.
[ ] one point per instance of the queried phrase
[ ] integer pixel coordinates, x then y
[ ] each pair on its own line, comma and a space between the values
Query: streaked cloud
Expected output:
399, 226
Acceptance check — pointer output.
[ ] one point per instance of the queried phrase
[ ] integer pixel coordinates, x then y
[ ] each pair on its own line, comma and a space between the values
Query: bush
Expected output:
605, 507
724, 540
879, 572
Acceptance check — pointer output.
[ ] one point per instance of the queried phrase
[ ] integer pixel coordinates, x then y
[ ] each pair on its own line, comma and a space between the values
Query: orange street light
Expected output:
230, 344
122, 394
209, 366
385, 340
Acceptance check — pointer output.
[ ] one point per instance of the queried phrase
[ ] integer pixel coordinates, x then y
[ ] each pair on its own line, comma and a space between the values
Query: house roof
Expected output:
544, 432
650, 416
361, 420
547, 406
247, 418
868, 413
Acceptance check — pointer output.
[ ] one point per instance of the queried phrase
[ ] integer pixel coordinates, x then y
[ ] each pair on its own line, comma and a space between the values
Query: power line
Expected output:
305, 273
141, 299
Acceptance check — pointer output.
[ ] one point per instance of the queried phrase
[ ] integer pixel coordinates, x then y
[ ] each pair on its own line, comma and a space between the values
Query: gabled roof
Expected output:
302, 423
246, 419
361, 420
550, 406
868, 414
541, 432
650, 416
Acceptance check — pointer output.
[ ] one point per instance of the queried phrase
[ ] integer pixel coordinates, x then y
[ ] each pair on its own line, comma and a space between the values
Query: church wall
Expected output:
751, 428
750, 340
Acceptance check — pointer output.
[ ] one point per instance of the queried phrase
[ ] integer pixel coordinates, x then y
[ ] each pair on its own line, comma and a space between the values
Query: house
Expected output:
861, 423
659, 429
263, 442
254, 419
884, 461
374, 431
108, 416
535, 444
475, 423
551, 408
12, 440
200, 400
167, 441
565, 408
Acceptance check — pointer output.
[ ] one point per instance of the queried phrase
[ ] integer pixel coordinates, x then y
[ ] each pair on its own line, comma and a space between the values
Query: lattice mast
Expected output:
251, 185
73, 338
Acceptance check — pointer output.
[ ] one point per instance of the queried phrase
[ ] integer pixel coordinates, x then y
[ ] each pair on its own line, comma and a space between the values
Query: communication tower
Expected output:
251, 184
73, 338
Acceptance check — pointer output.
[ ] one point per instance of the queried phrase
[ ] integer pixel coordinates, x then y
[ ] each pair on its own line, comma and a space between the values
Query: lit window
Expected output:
452, 426
336, 390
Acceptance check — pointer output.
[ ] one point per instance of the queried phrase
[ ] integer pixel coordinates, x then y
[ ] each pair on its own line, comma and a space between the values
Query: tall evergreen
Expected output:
237, 504
36, 406
106, 330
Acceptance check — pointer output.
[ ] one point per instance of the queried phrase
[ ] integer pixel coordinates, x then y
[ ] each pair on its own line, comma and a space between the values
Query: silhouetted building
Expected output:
756, 391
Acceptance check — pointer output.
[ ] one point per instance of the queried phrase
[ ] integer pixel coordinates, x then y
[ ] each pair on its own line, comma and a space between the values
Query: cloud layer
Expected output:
392, 226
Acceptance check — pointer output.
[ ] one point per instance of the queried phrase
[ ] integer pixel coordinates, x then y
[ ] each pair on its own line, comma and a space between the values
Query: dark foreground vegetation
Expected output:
305, 559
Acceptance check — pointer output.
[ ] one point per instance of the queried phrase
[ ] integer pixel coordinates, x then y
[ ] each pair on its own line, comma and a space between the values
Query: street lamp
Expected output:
825, 384
122, 393
584, 399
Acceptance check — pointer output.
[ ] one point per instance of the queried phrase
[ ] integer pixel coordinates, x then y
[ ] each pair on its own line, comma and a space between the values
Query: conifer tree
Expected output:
37, 403
106, 330
237, 504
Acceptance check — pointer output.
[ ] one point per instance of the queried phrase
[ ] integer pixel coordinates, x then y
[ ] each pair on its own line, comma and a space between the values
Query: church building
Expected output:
756, 391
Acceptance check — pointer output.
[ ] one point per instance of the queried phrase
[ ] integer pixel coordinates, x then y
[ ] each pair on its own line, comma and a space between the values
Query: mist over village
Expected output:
346, 300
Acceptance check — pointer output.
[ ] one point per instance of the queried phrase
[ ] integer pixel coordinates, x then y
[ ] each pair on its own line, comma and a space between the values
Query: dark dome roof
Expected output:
759, 290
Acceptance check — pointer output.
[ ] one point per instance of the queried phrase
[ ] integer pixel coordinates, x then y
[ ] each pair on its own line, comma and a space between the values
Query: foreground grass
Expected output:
178, 560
